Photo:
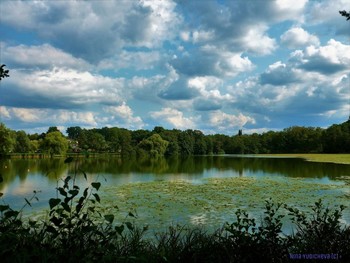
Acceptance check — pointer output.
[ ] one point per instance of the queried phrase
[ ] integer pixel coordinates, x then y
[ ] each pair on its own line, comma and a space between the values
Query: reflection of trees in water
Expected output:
11, 169
198, 164
56, 168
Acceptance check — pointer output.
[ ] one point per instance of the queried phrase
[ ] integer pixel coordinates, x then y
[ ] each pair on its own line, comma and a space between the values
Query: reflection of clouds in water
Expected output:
199, 219
25, 188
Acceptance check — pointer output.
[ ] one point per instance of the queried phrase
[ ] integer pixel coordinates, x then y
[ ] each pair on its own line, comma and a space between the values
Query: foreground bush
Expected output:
75, 231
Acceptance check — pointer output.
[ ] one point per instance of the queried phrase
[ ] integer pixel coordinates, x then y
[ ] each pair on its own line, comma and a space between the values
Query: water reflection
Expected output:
198, 167
22, 176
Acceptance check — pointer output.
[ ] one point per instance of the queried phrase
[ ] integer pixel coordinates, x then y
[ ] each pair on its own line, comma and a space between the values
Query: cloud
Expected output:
329, 59
49, 117
201, 104
297, 37
41, 56
179, 90
256, 41
279, 74
223, 121
210, 61
95, 30
326, 14
137, 60
123, 115
173, 117
60, 88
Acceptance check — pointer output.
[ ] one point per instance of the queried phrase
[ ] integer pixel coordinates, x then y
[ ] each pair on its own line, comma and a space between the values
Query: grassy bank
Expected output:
324, 158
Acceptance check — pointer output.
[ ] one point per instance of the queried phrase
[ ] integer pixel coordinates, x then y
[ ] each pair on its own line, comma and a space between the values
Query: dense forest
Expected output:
160, 141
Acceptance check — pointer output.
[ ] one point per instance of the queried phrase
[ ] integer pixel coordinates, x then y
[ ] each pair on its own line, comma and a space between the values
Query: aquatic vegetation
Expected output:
214, 200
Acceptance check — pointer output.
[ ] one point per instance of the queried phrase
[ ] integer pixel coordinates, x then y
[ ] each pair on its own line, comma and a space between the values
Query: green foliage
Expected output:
23, 144
335, 139
52, 129
153, 146
247, 241
4, 73
320, 232
345, 14
74, 230
54, 143
74, 132
7, 139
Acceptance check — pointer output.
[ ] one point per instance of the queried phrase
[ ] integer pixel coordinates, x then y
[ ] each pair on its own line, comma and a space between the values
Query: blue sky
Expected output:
216, 66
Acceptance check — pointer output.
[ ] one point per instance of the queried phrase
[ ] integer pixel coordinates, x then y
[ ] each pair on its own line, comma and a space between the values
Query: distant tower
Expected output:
240, 132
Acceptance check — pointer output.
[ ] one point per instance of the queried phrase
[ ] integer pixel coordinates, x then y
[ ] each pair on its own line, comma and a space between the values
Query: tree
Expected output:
96, 141
52, 129
346, 14
54, 143
22, 142
4, 73
186, 143
74, 132
7, 139
154, 145
200, 144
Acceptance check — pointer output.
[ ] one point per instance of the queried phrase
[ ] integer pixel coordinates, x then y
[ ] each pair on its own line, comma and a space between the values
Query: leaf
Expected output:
4, 208
56, 221
11, 213
132, 215
73, 192
68, 178
54, 202
28, 202
51, 229
78, 207
32, 223
85, 192
62, 191
84, 175
129, 225
96, 185
119, 229
97, 197
66, 207
69, 160
109, 218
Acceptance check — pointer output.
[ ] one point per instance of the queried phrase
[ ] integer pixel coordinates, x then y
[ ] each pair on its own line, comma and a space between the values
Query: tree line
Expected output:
165, 142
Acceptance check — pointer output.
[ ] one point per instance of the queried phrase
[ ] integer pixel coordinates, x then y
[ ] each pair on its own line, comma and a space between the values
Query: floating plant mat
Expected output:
159, 204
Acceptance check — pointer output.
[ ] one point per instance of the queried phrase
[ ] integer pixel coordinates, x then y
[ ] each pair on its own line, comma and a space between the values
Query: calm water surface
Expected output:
210, 187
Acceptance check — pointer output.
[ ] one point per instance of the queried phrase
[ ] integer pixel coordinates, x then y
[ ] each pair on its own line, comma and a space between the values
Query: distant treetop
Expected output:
4, 73
346, 14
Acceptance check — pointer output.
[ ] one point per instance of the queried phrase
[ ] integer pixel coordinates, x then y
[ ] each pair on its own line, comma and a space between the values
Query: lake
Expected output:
195, 191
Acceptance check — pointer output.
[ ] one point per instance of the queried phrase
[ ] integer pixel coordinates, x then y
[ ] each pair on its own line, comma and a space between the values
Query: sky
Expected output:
216, 66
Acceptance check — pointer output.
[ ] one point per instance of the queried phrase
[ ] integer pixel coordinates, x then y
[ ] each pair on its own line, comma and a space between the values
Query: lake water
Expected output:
196, 191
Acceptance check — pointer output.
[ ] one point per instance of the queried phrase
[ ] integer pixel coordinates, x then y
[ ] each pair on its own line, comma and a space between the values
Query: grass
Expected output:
314, 157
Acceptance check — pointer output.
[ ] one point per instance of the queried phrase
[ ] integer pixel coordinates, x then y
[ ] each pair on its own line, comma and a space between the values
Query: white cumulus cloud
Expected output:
174, 117
297, 37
